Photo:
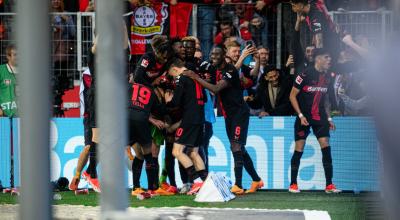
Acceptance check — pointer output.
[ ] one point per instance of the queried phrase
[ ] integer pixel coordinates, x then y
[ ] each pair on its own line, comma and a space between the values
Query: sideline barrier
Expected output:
270, 143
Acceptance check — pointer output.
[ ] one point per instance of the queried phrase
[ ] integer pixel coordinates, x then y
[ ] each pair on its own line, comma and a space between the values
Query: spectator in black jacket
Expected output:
272, 94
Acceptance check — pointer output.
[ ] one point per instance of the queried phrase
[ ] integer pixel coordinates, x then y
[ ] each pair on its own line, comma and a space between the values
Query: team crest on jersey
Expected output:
299, 80
148, 21
317, 25
7, 82
144, 63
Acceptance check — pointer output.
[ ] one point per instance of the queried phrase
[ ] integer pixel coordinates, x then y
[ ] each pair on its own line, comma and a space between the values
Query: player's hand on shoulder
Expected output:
168, 96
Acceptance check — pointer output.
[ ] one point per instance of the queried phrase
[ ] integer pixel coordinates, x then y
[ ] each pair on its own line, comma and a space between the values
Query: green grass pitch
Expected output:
340, 206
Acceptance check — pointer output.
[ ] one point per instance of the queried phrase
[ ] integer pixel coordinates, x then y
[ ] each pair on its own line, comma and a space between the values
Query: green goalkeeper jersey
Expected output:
7, 91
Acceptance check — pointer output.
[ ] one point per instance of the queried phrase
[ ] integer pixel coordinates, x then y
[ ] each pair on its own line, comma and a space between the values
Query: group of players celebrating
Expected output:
168, 92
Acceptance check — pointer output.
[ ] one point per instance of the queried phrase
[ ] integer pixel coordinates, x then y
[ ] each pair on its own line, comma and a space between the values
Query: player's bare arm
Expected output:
222, 84
295, 104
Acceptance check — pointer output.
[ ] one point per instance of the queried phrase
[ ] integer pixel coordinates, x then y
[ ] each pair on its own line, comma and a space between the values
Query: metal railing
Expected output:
374, 25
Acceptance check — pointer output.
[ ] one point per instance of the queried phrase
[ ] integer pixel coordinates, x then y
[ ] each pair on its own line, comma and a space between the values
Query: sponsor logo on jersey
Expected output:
299, 80
315, 89
7, 82
228, 75
317, 26
144, 63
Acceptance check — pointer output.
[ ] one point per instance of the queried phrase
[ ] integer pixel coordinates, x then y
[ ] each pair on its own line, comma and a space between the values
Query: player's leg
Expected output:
178, 152
208, 133
170, 163
93, 154
200, 170
295, 165
137, 166
198, 163
151, 168
84, 155
240, 125
301, 133
322, 134
155, 150
82, 160
257, 183
168, 170
236, 149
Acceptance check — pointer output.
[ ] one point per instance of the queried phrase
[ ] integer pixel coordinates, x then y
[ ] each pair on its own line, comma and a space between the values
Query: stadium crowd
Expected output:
176, 83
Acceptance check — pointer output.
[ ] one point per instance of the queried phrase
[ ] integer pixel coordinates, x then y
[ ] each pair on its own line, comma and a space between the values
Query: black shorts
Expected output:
237, 128
139, 132
189, 135
87, 131
301, 132
92, 119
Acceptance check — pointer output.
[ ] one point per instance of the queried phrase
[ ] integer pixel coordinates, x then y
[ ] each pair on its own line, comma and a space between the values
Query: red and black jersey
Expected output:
189, 96
319, 21
148, 69
231, 98
313, 87
143, 100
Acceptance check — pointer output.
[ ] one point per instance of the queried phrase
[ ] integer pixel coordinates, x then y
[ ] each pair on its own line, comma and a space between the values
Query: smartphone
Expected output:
249, 42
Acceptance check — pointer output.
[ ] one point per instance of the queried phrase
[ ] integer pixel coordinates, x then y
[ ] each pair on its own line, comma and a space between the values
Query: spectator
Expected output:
64, 35
227, 31
355, 106
259, 30
206, 16
272, 94
302, 62
263, 54
8, 84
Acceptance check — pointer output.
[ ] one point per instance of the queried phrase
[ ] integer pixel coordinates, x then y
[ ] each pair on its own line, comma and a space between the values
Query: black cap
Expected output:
320, 51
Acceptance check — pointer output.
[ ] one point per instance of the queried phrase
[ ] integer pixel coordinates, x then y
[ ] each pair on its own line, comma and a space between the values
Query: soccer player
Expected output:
309, 99
143, 101
152, 64
91, 173
84, 155
326, 33
236, 114
188, 94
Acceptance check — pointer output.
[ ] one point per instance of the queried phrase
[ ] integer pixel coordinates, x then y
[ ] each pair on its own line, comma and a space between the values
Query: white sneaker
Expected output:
185, 188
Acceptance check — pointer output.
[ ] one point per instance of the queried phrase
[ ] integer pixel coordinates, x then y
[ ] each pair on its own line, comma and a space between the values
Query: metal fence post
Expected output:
279, 36
111, 105
33, 42
79, 42
194, 20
